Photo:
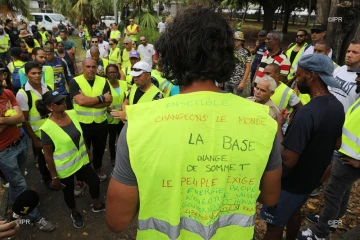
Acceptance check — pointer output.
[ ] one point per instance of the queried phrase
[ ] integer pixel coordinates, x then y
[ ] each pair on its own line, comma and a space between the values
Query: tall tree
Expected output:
11, 6
269, 7
288, 6
341, 32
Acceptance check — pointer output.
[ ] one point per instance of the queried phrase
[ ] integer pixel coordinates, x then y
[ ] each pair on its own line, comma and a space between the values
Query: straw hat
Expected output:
23, 33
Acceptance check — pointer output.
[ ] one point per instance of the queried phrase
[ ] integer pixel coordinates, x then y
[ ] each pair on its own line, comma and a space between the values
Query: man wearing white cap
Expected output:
142, 91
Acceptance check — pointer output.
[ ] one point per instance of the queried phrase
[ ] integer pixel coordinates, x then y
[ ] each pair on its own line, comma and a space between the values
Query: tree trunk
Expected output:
268, 18
294, 17
322, 11
340, 33
286, 17
259, 14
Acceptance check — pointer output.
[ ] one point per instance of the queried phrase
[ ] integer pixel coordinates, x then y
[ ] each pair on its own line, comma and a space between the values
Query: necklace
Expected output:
316, 95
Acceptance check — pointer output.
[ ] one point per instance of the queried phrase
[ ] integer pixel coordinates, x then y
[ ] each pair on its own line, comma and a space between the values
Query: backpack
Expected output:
16, 77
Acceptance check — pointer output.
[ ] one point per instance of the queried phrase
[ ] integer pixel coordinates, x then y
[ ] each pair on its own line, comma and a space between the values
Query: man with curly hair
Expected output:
203, 181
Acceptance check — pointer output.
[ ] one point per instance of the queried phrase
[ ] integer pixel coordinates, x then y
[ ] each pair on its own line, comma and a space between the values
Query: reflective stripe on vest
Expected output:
148, 96
34, 118
68, 158
69, 164
212, 201
164, 85
281, 96
64, 155
350, 139
118, 100
89, 114
132, 29
114, 57
296, 59
191, 225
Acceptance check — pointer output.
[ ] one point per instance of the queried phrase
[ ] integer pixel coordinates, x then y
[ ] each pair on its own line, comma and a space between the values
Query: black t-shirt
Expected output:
93, 32
312, 134
75, 90
292, 56
139, 93
70, 129
13, 34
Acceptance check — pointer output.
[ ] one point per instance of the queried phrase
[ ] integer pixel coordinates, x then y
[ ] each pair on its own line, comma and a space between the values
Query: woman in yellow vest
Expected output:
114, 55
66, 154
118, 92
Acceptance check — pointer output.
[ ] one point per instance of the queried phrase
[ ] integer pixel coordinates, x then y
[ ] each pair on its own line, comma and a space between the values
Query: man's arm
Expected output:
19, 118
122, 204
289, 157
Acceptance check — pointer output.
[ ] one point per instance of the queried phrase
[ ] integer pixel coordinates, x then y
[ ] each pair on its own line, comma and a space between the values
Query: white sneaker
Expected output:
44, 225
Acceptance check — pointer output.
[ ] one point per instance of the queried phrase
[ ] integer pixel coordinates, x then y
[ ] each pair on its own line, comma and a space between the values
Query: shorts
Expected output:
287, 205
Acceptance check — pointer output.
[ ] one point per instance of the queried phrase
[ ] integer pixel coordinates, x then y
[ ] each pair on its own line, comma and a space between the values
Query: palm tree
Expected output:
11, 6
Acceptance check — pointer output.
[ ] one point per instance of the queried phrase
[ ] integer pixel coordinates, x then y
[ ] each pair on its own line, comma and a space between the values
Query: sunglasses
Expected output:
111, 44
301, 35
94, 41
137, 70
125, 43
316, 31
62, 101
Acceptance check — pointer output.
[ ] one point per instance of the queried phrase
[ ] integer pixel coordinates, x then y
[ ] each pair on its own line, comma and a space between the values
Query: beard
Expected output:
303, 88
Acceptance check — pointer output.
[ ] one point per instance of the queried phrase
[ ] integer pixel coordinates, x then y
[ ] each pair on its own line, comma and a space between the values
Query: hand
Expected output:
108, 110
118, 114
257, 43
281, 117
8, 229
241, 85
55, 184
108, 97
350, 161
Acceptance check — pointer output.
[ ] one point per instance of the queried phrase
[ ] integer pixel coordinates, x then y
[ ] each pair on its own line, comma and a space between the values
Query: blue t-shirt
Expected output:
259, 54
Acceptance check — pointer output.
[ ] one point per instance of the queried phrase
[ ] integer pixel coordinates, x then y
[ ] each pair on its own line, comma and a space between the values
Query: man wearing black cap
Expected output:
345, 172
318, 32
309, 143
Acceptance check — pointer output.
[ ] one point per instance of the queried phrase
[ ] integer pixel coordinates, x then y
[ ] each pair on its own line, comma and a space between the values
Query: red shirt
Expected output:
11, 133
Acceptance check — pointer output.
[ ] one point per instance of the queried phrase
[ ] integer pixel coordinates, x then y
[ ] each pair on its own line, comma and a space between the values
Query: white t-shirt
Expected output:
161, 26
309, 50
21, 98
105, 45
346, 93
103, 54
146, 52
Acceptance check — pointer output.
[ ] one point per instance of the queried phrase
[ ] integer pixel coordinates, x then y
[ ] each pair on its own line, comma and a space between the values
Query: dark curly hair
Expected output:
197, 45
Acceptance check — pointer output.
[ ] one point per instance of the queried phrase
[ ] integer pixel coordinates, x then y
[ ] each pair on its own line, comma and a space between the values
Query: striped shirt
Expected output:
279, 59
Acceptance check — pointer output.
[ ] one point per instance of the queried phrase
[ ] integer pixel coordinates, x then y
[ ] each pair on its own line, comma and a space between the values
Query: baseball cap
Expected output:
99, 34
139, 68
320, 27
262, 33
322, 65
134, 54
239, 35
52, 97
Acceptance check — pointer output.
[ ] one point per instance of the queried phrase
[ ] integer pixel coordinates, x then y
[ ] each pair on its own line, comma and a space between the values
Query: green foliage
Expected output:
148, 25
17, 5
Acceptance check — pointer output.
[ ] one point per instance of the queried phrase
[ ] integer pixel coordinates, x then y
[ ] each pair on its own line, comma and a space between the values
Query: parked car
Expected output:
48, 20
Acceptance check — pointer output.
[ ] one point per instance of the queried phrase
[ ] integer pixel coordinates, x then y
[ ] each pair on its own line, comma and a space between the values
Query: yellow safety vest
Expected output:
43, 37
131, 30
128, 77
118, 100
35, 119
114, 34
281, 96
87, 34
293, 64
114, 56
88, 115
4, 42
47, 76
350, 139
36, 44
304, 98
68, 159
164, 85
207, 186
147, 97
125, 59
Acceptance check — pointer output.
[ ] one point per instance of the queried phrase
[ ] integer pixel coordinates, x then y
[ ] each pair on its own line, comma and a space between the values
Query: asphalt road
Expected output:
53, 208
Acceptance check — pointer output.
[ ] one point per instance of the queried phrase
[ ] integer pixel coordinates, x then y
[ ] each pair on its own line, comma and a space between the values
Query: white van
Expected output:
48, 20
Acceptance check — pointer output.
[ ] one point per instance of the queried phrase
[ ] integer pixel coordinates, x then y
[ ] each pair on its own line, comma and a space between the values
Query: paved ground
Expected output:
53, 208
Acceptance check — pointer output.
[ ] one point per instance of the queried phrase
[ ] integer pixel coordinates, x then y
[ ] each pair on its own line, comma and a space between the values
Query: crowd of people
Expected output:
294, 136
